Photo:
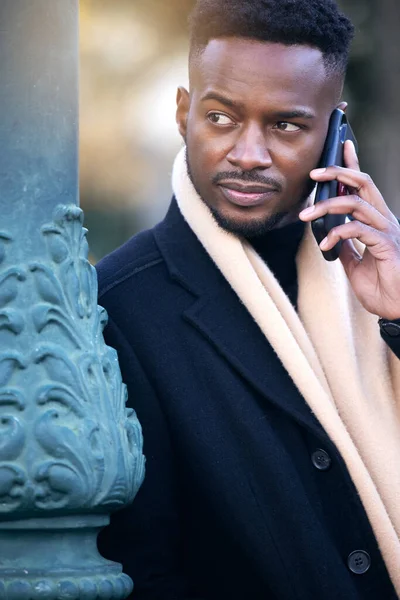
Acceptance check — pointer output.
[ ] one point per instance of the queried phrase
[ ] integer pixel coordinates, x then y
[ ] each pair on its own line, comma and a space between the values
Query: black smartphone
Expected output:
339, 131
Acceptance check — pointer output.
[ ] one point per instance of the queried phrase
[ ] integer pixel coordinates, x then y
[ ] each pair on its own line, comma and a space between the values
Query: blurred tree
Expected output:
373, 84
384, 148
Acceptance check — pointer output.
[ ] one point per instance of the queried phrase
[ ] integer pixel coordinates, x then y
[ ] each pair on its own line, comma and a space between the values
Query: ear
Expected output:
343, 106
182, 110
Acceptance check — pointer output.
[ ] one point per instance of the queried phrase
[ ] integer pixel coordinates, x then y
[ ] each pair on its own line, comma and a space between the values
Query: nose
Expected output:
250, 150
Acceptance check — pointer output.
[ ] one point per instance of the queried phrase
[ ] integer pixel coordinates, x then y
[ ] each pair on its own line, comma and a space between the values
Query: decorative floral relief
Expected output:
76, 474
12, 437
10, 318
9, 363
94, 462
12, 432
86, 445
12, 487
4, 238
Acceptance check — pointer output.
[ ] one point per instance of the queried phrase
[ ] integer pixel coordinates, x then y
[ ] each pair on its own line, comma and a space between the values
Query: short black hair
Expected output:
316, 23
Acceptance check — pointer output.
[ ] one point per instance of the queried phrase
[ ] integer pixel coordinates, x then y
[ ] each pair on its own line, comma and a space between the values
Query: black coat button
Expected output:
359, 562
321, 460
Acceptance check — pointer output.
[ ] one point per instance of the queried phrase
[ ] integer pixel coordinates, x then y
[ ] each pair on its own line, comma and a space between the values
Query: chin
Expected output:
248, 228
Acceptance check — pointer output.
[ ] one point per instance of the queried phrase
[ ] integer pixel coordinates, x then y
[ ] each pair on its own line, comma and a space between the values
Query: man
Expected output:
268, 399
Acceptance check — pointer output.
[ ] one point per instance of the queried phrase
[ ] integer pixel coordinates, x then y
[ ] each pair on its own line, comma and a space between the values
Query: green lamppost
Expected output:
70, 453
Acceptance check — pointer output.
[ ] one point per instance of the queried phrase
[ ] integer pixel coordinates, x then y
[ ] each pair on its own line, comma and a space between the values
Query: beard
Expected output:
247, 229
256, 227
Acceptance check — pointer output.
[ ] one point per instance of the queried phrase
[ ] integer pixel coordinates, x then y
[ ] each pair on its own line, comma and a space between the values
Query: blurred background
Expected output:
133, 57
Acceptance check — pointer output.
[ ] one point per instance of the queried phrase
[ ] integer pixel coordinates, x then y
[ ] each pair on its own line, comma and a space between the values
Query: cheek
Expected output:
296, 161
206, 144
209, 151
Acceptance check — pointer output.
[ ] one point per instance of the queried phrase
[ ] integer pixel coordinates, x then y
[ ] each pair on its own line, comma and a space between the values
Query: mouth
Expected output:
246, 194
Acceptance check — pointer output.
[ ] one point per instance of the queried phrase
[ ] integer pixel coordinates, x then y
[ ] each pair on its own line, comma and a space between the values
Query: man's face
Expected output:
254, 124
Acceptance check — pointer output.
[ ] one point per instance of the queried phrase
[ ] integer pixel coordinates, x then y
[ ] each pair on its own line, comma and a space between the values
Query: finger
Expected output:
352, 205
360, 182
377, 243
350, 156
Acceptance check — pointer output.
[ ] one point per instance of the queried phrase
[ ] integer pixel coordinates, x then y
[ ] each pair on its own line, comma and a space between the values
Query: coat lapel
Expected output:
222, 319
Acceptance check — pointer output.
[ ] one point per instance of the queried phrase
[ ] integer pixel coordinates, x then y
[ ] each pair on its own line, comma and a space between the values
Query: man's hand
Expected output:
375, 275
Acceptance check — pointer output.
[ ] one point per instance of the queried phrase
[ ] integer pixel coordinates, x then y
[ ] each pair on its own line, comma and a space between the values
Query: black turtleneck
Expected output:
278, 248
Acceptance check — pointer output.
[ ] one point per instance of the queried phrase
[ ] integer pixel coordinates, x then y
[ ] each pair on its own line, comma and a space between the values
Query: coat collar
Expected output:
219, 316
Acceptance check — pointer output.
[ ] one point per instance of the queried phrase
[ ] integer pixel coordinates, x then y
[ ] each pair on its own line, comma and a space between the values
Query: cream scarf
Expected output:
331, 349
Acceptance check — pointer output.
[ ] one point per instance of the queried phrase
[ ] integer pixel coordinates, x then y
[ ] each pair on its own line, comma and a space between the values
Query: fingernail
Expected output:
354, 146
307, 211
318, 171
324, 243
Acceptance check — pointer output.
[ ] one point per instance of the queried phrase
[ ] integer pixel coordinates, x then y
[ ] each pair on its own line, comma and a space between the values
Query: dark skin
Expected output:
259, 110
254, 124
374, 275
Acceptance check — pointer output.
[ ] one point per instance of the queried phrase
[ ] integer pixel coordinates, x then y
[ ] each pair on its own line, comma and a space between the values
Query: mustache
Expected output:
247, 177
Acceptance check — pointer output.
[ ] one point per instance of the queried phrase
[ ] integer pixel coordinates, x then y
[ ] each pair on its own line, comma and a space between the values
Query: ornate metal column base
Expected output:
70, 450
78, 572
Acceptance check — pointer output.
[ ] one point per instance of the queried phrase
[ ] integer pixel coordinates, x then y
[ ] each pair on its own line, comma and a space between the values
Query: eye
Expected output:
289, 127
219, 119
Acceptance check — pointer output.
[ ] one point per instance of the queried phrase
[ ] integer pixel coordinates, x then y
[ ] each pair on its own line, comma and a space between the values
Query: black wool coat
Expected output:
245, 496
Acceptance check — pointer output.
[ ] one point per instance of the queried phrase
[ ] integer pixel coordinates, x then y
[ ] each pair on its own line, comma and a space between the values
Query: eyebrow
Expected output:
222, 99
299, 113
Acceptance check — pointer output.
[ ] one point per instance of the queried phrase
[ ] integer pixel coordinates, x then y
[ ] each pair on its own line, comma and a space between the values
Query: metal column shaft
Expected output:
70, 451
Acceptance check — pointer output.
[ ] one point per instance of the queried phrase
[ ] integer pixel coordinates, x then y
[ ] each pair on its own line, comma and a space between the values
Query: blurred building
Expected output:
133, 57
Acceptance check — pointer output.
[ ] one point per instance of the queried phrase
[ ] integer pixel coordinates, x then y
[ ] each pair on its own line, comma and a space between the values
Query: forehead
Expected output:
264, 70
